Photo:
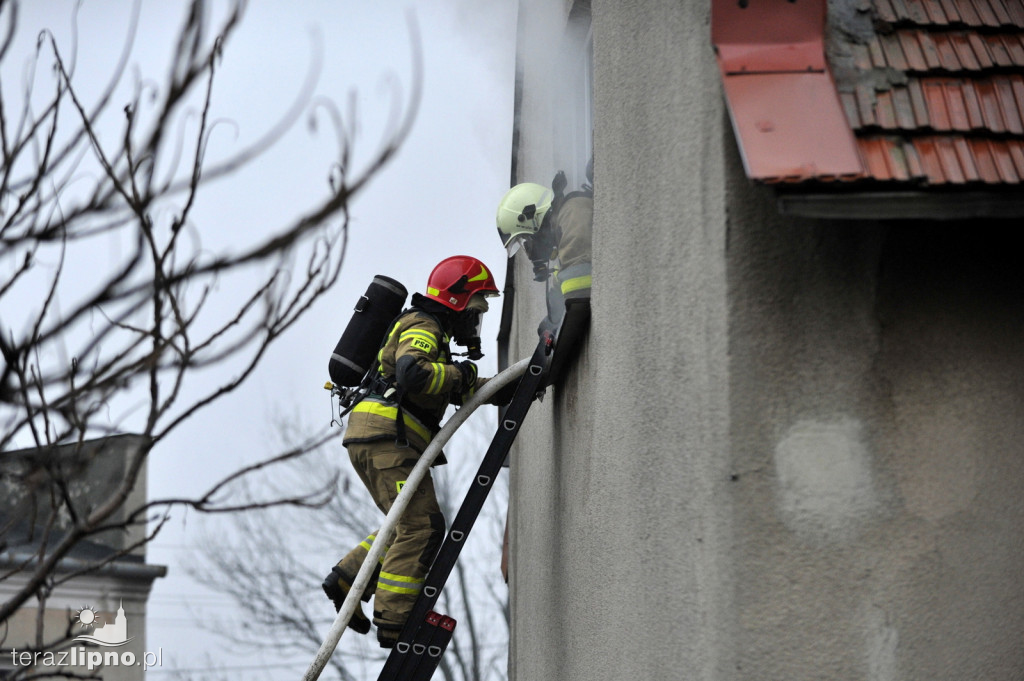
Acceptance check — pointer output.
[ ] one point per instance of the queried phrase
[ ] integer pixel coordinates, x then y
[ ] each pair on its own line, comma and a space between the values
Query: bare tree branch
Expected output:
272, 573
142, 326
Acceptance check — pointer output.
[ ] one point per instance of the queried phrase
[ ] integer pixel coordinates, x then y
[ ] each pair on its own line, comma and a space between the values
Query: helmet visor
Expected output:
478, 301
514, 244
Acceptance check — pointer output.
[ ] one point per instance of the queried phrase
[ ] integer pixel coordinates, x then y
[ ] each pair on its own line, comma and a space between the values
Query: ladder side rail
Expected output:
398, 664
419, 471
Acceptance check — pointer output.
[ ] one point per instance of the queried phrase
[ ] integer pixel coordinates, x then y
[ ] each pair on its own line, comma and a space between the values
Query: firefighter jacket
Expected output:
417, 360
574, 225
574, 229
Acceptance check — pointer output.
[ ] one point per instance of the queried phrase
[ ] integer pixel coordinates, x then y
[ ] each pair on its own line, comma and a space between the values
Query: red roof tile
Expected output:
973, 13
993, 105
943, 160
987, 168
932, 91
918, 50
1016, 152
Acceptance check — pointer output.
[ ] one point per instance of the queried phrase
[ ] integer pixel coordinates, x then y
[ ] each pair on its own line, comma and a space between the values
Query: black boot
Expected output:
337, 587
387, 638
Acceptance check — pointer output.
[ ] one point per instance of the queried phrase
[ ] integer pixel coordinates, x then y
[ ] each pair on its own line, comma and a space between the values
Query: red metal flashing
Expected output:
761, 36
783, 102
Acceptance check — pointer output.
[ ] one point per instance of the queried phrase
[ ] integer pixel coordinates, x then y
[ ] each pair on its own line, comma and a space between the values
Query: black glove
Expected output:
559, 183
468, 371
547, 325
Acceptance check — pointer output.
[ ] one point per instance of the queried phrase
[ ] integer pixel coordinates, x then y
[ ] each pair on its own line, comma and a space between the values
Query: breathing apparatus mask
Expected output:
466, 332
466, 325
538, 246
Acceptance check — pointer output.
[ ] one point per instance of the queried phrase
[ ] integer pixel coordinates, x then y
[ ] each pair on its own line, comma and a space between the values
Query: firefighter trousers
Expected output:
384, 467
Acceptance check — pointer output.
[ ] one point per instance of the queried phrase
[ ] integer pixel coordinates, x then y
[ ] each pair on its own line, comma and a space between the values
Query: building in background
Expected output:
790, 446
102, 609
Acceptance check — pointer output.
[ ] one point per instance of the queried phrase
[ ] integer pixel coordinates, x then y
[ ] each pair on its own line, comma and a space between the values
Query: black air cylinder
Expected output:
356, 352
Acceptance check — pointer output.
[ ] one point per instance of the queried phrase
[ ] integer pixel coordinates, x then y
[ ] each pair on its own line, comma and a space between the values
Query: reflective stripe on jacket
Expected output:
574, 279
380, 421
575, 244
418, 337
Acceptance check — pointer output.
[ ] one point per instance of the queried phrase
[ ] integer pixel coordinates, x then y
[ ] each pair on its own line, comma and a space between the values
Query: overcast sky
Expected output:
437, 198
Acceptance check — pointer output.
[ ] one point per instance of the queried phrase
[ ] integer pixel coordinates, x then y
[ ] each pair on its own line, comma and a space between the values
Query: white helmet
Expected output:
521, 213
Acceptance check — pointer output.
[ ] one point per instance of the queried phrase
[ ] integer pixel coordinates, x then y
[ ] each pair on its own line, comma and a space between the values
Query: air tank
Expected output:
356, 351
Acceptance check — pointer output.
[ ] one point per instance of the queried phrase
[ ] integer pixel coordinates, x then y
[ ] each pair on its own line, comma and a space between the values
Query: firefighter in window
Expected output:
556, 232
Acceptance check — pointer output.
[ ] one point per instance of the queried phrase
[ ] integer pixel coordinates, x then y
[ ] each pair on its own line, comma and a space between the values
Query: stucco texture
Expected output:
875, 430
612, 476
790, 448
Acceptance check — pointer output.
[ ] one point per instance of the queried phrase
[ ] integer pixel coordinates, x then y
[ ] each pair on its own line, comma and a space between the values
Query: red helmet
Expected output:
454, 281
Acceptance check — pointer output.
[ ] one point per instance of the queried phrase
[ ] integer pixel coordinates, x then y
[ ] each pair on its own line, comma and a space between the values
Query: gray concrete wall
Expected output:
617, 531
791, 449
875, 438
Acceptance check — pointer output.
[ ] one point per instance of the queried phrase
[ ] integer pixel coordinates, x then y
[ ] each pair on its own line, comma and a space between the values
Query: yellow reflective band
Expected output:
576, 284
400, 578
417, 332
399, 584
397, 589
378, 409
432, 291
424, 340
399, 485
482, 276
380, 353
438, 379
368, 544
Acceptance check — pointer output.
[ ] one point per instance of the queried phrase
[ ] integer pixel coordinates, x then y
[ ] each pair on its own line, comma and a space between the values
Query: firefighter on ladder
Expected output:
388, 429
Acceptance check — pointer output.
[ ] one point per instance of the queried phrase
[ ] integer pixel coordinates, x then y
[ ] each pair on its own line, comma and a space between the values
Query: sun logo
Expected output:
87, 617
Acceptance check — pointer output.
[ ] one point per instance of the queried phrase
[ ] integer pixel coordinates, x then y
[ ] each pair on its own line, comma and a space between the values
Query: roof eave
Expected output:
884, 204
